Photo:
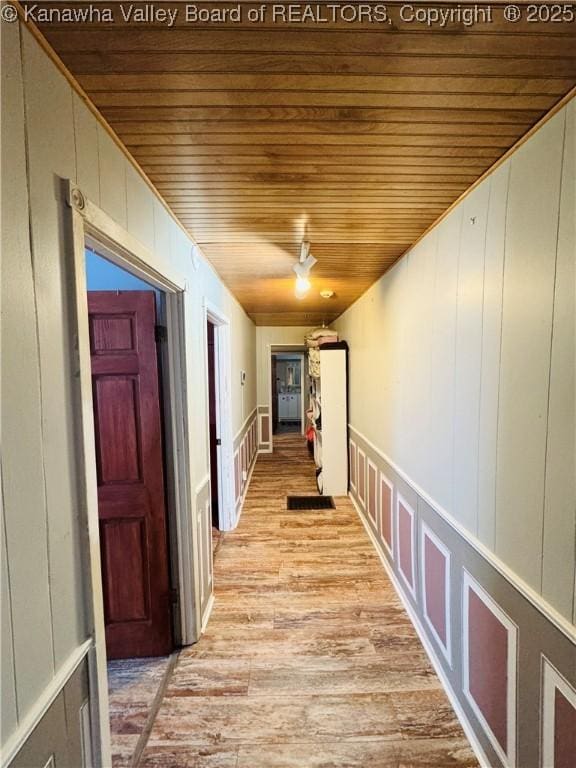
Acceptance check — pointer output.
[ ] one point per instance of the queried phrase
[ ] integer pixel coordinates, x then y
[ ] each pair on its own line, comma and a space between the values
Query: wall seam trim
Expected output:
12, 644
482, 361
546, 442
75, 137
494, 529
455, 372
559, 621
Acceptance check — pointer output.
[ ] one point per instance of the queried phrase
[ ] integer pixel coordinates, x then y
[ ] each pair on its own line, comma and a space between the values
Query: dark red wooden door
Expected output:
131, 506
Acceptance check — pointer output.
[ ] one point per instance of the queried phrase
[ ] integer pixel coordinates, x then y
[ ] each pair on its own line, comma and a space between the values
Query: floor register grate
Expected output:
310, 502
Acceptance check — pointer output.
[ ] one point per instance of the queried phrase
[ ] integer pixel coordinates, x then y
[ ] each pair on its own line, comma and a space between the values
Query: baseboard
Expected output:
207, 613
456, 706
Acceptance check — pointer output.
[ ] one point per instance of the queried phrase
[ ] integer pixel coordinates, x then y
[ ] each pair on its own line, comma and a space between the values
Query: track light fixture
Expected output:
302, 269
302, 287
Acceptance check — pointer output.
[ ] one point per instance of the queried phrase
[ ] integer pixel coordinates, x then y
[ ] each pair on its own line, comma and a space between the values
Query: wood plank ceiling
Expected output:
359, 134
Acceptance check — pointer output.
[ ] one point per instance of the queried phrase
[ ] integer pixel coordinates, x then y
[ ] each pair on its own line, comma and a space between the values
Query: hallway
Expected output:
309, 659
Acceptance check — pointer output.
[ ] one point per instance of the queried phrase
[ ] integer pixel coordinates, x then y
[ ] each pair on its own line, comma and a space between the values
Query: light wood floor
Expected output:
309, 660
133, 685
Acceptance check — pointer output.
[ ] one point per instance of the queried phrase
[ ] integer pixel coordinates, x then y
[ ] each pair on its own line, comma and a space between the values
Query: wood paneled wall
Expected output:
49, 134
462, 362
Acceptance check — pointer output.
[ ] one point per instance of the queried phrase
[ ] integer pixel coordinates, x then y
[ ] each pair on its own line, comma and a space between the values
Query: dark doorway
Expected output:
274, 396
130, 473
213, 418
287, 392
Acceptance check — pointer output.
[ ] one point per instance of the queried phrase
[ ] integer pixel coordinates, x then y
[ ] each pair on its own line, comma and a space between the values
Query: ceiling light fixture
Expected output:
302, 287
302, 269
326, 294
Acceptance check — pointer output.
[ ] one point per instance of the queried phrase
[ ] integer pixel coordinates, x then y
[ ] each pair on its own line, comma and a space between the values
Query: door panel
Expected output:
125, 599
116, 409
131, 505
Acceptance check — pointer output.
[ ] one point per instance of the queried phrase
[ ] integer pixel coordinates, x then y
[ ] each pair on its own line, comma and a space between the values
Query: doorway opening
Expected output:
219, 420
114, 339
287, 392
214, 431
126, 321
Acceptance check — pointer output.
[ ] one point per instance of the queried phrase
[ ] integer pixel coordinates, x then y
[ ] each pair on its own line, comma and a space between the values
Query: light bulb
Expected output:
302, 287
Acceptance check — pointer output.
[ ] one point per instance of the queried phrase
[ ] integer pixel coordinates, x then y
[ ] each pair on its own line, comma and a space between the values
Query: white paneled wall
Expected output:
43, 617
490, 370
443, 355
51, 157
560, 479
86, 150
30, 660
462, 362
527, 318
111, 172
468, 354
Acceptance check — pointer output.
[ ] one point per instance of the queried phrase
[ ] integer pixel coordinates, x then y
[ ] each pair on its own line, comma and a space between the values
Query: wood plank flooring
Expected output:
309, 659
132, 686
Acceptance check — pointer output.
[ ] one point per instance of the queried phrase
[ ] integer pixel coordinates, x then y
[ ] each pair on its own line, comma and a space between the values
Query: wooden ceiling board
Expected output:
358, 135
307, 153
256, 62
324, 84
550, 42
395, 21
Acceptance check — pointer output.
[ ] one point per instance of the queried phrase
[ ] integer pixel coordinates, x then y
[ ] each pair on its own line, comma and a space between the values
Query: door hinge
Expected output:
160, 333
218, 441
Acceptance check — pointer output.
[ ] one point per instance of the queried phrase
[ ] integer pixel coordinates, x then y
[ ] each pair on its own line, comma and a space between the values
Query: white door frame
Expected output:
223, 380
302, 396
89, 225
272, 350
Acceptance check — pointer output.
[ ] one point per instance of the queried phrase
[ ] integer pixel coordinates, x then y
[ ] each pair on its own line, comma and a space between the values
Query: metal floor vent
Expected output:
310, 502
